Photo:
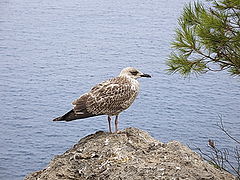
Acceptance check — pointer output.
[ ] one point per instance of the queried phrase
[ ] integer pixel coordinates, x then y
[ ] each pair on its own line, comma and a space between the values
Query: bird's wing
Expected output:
112, 95
80, 104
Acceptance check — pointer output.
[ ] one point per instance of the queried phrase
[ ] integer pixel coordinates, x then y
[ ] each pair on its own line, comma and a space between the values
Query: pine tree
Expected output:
208, 39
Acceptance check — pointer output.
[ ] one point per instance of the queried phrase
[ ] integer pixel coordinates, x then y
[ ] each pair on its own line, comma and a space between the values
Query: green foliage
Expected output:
208, 39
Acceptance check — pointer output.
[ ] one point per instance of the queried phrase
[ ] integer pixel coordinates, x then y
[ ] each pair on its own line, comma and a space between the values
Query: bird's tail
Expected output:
71, 115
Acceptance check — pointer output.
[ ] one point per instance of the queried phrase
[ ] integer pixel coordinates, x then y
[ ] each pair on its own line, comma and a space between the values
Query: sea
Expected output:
51, 52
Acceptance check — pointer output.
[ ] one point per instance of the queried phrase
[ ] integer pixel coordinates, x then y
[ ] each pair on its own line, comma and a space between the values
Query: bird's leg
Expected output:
116, 124
109, 124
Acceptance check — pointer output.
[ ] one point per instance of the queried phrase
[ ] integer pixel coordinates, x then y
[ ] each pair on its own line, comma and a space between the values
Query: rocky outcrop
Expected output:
129, 154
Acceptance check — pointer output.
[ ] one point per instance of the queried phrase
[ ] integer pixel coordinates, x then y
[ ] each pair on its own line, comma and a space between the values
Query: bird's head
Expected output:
133, 73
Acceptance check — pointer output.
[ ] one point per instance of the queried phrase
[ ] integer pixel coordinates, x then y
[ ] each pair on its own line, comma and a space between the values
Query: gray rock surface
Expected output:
129, 154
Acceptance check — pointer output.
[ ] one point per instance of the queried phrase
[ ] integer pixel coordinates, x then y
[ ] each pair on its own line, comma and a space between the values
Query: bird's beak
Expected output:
146, 75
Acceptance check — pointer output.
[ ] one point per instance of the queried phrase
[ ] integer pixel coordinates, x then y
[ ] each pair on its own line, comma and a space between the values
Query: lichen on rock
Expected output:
129, 154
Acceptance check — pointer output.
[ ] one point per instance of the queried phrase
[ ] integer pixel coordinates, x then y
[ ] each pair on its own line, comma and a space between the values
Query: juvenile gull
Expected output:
109, 98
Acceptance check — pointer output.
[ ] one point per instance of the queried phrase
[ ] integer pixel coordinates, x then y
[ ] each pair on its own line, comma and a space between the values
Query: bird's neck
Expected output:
133, 81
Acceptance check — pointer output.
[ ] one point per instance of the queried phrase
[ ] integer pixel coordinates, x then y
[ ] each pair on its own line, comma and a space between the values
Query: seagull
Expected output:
109, 97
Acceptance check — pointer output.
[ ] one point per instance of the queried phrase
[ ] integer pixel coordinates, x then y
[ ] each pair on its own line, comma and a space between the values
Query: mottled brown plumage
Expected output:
110, 97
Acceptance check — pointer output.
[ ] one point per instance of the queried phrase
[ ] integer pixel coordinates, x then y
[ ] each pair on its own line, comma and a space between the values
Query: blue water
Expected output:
53, 51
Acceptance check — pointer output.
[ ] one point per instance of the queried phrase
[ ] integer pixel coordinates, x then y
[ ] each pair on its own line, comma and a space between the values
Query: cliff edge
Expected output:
129, 154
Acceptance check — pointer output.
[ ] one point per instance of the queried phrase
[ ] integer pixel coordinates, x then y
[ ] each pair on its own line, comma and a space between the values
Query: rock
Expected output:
129, 154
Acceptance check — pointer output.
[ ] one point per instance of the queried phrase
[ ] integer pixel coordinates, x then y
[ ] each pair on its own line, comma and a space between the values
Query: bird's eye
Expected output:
134, 73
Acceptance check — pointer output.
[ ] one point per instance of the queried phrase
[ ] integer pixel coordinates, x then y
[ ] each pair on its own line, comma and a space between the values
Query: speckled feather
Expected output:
109, 97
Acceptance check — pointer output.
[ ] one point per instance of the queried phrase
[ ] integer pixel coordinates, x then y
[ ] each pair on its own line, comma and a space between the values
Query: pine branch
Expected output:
207, 35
